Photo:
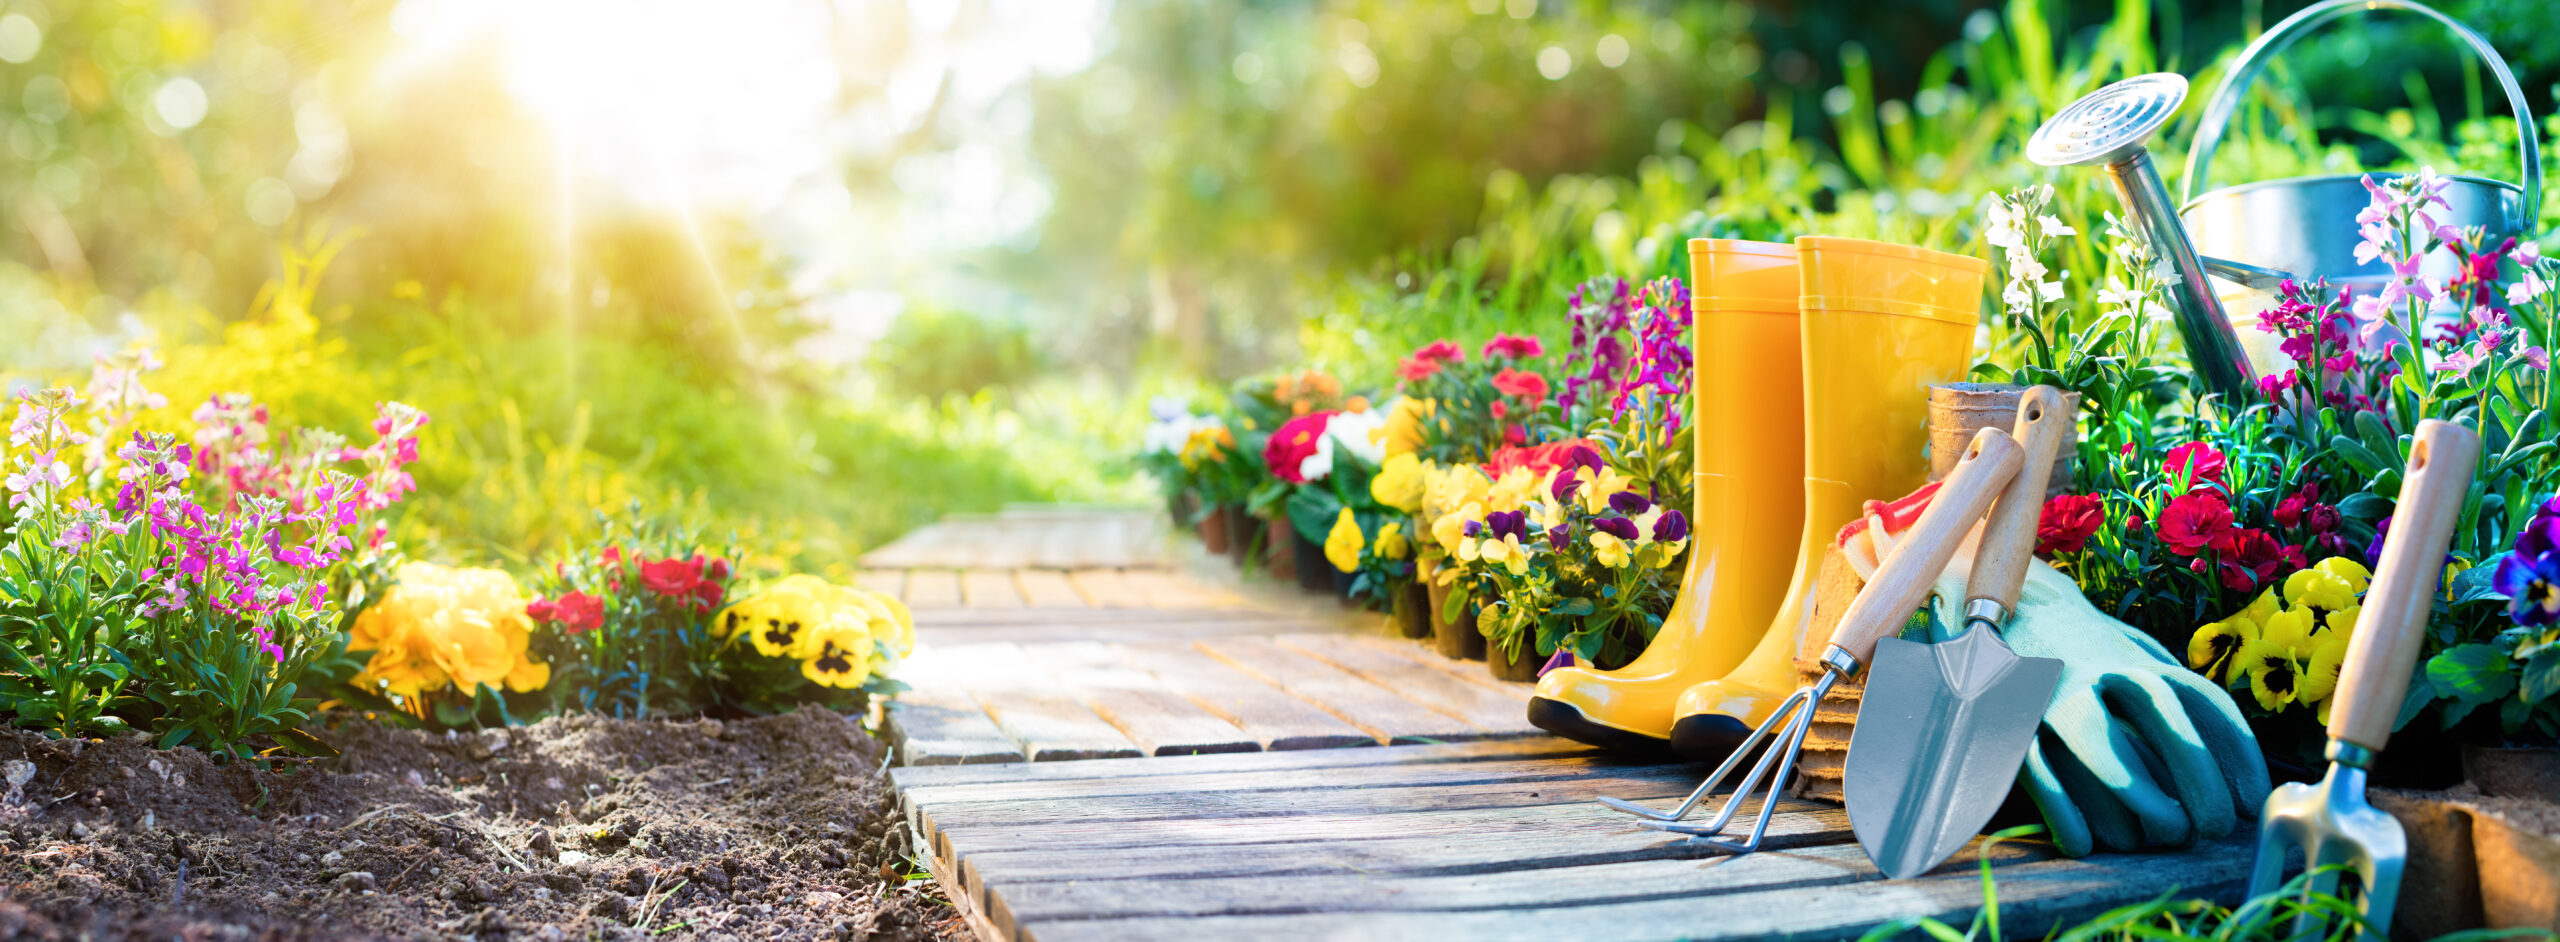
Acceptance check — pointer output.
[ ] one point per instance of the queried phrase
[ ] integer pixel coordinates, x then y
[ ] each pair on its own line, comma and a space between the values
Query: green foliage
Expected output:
931, 353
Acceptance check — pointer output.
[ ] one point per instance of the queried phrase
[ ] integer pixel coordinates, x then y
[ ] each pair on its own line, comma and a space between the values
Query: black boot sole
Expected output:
1707, 735
1566, 720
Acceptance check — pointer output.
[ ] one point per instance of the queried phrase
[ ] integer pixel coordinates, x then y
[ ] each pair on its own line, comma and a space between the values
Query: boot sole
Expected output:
1566, 720
1707, 735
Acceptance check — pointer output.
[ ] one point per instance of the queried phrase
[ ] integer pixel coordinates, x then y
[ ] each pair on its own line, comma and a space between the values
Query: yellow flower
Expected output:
1669, 551
1453, 487
1403, 430
2453, 567
782, 616
1450, 531
2261, 607
2274, 674
1597, 491
2319, 588
1206, 445
840, 655
1391, 542
2291, 630
441, 625
1609, 550
1342, 546
2212, 650
2354, 572
1515, 488
2320, 672
1504, 552
1399, 483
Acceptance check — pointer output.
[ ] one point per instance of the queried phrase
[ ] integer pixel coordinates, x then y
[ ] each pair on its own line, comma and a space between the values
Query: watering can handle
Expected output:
2226, 95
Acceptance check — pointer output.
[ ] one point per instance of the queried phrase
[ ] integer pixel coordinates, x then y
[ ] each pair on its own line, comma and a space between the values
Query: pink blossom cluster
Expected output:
1625, 340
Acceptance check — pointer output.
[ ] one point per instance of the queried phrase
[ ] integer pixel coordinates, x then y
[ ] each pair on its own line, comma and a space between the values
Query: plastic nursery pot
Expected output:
1280, 552
1455, 638
1315, 573
1244, 531
1522, 667
1958, 410
1342, 585
1413, 611
1213, 530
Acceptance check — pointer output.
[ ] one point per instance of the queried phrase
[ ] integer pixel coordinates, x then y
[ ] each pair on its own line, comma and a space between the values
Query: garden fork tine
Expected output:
2330, 821
1880, 609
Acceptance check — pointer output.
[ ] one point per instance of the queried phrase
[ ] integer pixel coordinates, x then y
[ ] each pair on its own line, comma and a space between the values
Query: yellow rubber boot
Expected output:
1882, 323
1749, 501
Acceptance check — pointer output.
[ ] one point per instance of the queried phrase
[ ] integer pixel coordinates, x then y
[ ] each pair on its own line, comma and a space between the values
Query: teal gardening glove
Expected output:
2136, 751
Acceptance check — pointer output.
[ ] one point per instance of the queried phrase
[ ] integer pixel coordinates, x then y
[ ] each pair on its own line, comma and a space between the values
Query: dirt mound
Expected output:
574, 827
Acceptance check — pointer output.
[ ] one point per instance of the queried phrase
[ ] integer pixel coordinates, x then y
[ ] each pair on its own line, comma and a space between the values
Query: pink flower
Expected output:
1521, 384
2198, 461
2192, 522
1511, 347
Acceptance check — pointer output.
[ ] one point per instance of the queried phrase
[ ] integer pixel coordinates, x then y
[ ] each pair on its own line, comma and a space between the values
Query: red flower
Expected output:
2250, 559
541, 609
2067, 522
578, 612
1440, 351
1415, 369
715, 568
1292, 443
1521, 384
1541, 458
2321, 518
1517, 348
671, 577
2200, 462
2289, 511
2194, 521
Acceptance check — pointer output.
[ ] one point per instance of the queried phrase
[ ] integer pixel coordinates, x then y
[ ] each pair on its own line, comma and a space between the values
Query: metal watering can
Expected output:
2255, 235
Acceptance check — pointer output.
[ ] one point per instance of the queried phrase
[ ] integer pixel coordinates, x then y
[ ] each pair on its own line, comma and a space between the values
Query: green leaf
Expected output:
2471, 673
2355, 455
1575, 608
1312, 512
172, 738
2541, 677
2478, 583
2365, 506
304, 744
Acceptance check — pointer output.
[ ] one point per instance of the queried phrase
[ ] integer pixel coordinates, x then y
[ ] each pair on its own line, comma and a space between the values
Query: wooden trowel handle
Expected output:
2009, 536
1913, 567
2405, 580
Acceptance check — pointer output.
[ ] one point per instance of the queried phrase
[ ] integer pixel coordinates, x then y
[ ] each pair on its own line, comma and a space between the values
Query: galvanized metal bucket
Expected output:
2306, 226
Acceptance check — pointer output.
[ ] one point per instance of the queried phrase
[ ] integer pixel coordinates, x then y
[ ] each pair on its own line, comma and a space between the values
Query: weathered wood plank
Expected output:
1264, 714
1372, 708
2034, 898
1528, 771
989, 588
1480, 706
889, 582
1047, 588
935, 722
1106, 588
1015, 904
933, 588
1474, 672
1032, 709
1166, 590
1160, 721
909, 778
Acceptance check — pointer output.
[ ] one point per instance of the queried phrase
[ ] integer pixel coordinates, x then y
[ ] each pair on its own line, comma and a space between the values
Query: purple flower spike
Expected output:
1672, 526
1629, 503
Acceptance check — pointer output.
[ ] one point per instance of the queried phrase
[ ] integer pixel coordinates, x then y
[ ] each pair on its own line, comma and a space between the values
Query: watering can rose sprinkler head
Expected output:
2107, 128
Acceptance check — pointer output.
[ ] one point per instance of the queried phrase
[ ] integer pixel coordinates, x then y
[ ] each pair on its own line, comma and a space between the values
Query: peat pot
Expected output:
1455, 638
1958, 410
1523, 668
1213, 530
1280, 547
1244, 532
1413, 610
2486, 853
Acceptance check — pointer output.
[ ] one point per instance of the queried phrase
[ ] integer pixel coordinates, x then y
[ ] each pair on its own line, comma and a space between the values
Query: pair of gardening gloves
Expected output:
2136, 751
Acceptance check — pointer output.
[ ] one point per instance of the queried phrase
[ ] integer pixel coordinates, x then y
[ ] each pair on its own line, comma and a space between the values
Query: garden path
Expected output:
1144, 663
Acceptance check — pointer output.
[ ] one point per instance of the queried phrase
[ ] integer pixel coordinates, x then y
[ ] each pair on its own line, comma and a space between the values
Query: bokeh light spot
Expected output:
20, 38
1554, 62
180, 102
1613, 51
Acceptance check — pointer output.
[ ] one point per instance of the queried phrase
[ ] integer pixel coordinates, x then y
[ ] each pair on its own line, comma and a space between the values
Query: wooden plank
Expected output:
1474, 672
1374, 709
1160, 721
889, 582
2034, 899
1106, 588
935, 722
1166, 590
1262, 713
1482, 706
1016, 904
1032, 709
1048, 588
1527, 771
910, 778
933, 588
989, 588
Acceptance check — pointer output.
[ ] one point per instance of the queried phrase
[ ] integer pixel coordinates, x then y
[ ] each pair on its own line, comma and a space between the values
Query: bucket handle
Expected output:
2226, 95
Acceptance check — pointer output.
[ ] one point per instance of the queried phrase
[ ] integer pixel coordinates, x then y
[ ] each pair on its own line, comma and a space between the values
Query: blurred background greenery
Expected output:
821, 270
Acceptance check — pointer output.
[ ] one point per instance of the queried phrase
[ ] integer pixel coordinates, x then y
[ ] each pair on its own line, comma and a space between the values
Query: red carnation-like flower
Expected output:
671, 577
2201, 463
1292, 443
1541, 458
1521, 384
1440, 351
577, 612
1516, 348
2067, 522
2194, 521
2250, 559
1415, 369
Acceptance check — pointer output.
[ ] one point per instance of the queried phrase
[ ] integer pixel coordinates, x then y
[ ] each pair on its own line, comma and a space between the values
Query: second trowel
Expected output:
1943, 728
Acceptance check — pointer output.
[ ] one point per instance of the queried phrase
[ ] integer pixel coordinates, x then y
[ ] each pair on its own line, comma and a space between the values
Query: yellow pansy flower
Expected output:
2354, 572
1668, 552
2343, 621
1391, 541
2290, 629
2319, 588
1399, 482
1450, 531
1403, 431
1342, 546
2274, 675
1504, 552
2320, 670
1453, 487
2216, 646
1597, 491
1609, 550
1514, 488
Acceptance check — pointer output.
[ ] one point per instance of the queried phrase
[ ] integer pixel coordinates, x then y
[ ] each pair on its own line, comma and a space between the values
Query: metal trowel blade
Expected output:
1942, 731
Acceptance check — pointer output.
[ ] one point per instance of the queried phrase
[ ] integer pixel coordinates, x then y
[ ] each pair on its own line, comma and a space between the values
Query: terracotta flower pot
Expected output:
1280, 548
1455, 638
1315, 573
1244, 531
1213, 530
1522, 668
1958, 410
1413, 610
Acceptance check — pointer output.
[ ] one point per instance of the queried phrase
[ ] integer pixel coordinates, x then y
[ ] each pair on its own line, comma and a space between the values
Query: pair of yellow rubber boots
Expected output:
1812, 373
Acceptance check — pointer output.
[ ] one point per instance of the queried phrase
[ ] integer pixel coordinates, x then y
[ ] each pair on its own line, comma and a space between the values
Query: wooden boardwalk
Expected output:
1205, 801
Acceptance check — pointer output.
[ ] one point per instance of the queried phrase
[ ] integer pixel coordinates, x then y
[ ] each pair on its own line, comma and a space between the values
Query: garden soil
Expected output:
576, 827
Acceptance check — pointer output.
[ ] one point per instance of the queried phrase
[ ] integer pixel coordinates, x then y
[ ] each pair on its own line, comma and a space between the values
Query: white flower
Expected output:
2528, 253
2116, 295
2054, 228
1356, 432
2050, 291
2526, 289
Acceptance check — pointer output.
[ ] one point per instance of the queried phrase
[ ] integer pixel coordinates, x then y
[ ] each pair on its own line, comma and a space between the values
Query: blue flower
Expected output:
2532, 587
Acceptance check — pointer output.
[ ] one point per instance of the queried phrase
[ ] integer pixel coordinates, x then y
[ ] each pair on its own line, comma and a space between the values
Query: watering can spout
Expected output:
2107, 129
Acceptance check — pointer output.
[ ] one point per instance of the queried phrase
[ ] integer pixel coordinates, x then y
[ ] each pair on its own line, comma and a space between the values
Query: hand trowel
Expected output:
1943, 728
